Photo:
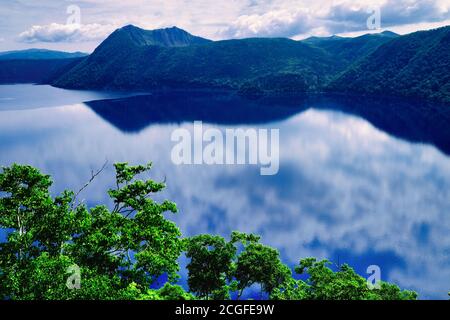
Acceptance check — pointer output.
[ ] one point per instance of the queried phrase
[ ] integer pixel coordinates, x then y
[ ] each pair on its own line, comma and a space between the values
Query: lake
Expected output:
360, 181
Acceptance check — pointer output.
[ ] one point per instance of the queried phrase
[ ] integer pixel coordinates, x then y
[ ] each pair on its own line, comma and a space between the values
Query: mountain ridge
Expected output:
133, 58
385, 63
413, 65
39, 54
166, 37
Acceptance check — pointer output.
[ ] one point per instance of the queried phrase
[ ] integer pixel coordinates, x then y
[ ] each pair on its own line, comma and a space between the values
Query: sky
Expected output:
81, 25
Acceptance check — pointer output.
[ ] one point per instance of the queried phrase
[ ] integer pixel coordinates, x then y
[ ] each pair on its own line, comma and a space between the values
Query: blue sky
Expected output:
55, 24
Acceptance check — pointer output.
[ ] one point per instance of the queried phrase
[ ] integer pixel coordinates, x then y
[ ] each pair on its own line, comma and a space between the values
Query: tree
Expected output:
217, 267
36, 223
260, 264
119, 252
325, 284
46, 236
210, 265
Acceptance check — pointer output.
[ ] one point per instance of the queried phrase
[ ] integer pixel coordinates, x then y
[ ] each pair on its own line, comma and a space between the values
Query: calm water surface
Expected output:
360, 181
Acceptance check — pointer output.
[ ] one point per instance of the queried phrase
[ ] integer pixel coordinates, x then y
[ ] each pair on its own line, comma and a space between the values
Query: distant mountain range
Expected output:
39, 54
34, 70
36, 65
131, 58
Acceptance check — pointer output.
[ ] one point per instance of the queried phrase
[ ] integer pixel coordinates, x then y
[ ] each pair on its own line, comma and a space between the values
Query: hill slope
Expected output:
414, 65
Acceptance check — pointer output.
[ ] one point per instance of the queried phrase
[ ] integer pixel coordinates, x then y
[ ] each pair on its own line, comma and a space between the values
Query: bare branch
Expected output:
93, 176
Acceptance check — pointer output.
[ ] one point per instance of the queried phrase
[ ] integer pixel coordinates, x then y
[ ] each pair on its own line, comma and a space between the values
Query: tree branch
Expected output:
93, 176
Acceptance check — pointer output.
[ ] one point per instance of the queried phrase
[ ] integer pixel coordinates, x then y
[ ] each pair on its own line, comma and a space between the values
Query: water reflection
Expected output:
346, 190
30, 96
414, 121
131, 115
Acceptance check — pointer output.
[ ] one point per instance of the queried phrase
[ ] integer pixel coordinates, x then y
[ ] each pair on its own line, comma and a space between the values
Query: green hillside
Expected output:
414, 65
130, 58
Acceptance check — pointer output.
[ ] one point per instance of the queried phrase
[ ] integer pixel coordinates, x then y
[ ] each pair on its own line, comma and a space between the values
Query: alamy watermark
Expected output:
373, 22
373, 281
74, 13
74, 280
239, 146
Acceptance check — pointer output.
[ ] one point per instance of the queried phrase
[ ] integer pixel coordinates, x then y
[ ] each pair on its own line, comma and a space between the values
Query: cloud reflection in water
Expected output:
345, 190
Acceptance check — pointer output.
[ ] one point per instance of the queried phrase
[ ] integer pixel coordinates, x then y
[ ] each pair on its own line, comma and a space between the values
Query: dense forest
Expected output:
414, 65
58, 248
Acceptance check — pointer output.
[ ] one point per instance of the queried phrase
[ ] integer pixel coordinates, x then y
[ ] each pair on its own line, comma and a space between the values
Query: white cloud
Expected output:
56, 32
272, 23
401, 29
214, 20
294, 18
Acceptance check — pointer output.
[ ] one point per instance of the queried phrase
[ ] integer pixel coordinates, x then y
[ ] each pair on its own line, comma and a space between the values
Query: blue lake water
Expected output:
361, 181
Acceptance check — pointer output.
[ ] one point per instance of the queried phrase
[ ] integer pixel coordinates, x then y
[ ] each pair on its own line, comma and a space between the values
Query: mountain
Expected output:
34, 70
167, 37
133, 58
350, 49
414, 65
39, 54
119, 60
36, 65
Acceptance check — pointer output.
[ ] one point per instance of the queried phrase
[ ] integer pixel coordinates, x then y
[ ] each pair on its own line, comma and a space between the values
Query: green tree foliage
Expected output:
258, 264
217, 267
210, 265
46, 236
118, 253
167, 292
345, 284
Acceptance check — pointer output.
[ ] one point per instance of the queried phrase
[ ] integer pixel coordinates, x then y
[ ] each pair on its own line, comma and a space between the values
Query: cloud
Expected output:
322, 17
342, 185
273, 23
215, 20
345, 17
56, 32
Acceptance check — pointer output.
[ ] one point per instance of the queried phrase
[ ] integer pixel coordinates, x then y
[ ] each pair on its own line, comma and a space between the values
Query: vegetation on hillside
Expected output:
124, 251
384, 64
127, 59
414, 65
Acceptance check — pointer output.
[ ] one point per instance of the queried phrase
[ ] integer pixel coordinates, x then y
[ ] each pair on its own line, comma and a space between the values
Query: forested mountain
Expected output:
351, 49
384, 63
39, 54
34, 70
414, 65
131, 58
